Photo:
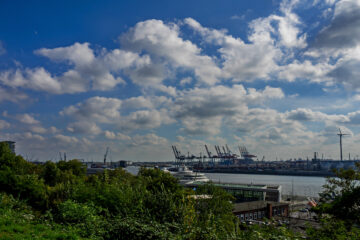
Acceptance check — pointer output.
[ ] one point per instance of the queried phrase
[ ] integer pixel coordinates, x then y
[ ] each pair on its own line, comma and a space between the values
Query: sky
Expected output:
279, 77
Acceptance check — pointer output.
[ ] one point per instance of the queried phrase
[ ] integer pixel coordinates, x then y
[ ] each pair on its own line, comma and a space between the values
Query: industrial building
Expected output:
260, 209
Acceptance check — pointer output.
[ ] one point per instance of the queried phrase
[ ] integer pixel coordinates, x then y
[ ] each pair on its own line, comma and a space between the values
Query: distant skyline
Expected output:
279, 77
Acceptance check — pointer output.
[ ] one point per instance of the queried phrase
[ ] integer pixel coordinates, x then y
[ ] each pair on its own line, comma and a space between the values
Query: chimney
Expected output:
269, 211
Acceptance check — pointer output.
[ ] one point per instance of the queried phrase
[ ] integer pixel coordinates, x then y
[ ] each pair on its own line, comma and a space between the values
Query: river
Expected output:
303, 186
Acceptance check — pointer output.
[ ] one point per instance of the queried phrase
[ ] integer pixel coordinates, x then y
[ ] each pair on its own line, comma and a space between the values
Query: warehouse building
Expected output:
258, 210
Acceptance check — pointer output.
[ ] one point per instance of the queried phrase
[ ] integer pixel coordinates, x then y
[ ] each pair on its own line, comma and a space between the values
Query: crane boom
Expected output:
228, 150
106, 153
225, 154
218, 151
175, 153
207, 150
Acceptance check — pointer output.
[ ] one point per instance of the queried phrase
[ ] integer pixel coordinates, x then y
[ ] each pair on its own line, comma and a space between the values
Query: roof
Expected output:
233, 185
248, 206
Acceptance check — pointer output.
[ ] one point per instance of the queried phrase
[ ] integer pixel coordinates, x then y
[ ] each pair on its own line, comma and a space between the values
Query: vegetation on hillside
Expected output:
59, 201
339, 207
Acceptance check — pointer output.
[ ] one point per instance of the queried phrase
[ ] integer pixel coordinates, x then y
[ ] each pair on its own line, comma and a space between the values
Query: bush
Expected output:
84, 218
136, 229
18, 221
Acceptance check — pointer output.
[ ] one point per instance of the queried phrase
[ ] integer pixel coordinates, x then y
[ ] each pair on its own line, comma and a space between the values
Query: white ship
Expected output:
186, 176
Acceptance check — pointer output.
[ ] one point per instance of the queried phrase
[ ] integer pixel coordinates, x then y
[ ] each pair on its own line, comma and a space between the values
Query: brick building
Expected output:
257, 210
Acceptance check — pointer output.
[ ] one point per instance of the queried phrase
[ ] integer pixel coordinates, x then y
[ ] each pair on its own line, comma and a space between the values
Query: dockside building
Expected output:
247, 192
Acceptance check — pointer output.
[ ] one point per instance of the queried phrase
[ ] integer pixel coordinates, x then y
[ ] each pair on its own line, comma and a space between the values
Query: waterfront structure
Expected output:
260, 209
224, 156
96, 167
247, 192
225, 161
11, 145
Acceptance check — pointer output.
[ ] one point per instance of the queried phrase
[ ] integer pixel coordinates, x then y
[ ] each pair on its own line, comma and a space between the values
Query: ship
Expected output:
187, 176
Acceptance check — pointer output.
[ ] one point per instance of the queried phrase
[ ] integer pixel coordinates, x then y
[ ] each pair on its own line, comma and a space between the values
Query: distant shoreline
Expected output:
272, 172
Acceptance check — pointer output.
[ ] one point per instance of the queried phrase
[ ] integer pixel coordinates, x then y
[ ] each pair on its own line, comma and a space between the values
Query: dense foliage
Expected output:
59, 201
339, 207
341, 196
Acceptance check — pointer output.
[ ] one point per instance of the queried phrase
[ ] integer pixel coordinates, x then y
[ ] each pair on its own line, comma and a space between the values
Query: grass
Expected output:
19, 225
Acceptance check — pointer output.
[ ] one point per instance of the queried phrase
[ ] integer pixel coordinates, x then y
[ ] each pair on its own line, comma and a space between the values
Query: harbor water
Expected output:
298, 185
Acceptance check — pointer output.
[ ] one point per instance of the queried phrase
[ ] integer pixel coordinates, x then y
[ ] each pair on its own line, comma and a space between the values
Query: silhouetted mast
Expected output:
340, 134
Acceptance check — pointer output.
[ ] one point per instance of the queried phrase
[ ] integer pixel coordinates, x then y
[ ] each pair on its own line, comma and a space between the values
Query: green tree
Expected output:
16, 164
18, 178
51, 173
341, 196
333, 229
215, 210
157, 180
75, 166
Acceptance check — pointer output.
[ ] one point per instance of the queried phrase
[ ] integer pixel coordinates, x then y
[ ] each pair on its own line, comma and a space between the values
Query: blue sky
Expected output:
279, 77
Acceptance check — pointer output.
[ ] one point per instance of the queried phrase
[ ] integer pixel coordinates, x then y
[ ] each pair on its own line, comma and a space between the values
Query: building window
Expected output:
242, 217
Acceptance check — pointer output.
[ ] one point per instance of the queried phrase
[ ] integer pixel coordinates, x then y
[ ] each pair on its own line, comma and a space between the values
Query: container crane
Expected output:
106, 153
175, 152
207, 150
217, 148
228, 149
225, 154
